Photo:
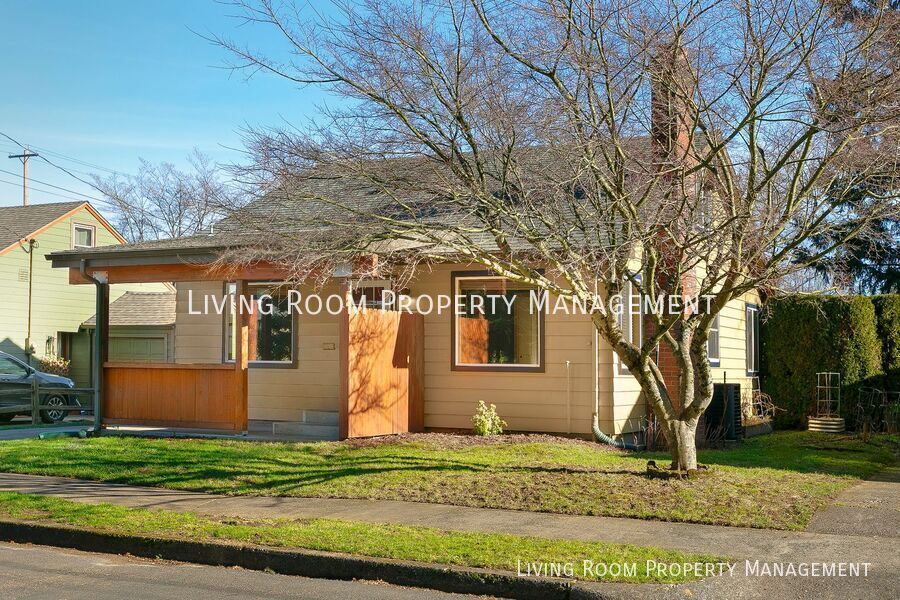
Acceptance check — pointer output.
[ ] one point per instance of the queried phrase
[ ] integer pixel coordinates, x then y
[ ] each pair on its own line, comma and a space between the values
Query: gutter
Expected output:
595, 420
137, 257
304, 563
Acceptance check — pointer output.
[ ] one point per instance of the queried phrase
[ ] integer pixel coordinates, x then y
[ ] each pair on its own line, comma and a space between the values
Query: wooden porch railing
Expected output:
200, 396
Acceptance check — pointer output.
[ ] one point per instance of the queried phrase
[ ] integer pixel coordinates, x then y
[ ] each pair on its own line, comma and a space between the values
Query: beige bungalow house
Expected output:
353, 373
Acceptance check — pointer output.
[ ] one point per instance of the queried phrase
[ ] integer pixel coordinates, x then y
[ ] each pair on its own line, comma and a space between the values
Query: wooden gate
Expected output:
172, 395
382, 373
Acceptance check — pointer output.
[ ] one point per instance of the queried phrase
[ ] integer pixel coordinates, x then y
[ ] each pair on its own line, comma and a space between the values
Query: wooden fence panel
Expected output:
382, 389
171, 395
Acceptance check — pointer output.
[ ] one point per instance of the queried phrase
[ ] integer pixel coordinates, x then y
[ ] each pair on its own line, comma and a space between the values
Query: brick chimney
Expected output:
671, 112
671, 131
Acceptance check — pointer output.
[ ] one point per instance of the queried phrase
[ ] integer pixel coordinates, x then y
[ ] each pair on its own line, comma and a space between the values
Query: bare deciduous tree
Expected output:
162, 201
576, 145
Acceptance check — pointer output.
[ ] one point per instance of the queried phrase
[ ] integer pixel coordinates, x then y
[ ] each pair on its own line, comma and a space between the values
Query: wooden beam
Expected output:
344, 363
241, 356
169, 366
415, 341
180, 272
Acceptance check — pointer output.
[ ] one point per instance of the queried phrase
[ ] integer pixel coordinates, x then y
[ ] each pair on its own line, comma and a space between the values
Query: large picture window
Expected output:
271, 328
496, 328
752, 328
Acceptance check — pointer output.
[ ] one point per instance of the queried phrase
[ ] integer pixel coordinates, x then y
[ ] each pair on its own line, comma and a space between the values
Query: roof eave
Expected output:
124, 258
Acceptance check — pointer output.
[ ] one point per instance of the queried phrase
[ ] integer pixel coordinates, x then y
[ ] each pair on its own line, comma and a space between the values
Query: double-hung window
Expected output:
271, 325
496, 326
83, 236
752, 329
631, 316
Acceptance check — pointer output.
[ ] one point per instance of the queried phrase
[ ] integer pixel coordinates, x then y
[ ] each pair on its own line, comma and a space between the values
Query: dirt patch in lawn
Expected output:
453, 441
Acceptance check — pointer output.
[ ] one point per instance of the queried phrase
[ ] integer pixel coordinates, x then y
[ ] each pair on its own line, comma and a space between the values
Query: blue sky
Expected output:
107, 82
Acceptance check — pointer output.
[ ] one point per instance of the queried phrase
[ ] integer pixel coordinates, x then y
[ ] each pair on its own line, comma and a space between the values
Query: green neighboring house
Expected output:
58, 311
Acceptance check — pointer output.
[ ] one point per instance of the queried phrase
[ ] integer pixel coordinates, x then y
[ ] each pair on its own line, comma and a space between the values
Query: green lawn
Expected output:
775, 481
423, 544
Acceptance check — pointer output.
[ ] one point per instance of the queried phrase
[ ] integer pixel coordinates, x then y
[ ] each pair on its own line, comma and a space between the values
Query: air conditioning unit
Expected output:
722, 419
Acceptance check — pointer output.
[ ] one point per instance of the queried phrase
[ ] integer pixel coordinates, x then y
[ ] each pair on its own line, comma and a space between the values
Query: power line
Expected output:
8, 147
54, 186
12, 140
15, 233
18, 234
77, 161
53, 164
42, 191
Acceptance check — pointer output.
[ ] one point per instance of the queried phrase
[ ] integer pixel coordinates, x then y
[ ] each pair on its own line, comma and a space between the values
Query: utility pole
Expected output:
24, 158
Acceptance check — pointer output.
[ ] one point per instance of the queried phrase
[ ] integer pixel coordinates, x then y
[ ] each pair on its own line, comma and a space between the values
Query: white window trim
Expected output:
500, 367
626, 317
228, 332
383, 284
715, 325
751, 350
93, 230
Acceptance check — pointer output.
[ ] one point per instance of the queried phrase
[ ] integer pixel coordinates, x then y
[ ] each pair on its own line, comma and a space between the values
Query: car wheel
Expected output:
54, 416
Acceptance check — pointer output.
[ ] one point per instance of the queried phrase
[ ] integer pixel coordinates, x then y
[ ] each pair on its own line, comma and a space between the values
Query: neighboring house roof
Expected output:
140, 309
18, 223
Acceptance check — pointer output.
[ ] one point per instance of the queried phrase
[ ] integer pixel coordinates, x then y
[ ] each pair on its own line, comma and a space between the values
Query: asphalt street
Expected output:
39, 572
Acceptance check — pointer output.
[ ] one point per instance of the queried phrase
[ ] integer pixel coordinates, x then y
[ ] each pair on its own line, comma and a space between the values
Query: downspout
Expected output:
29, 350
595, 421
96, 350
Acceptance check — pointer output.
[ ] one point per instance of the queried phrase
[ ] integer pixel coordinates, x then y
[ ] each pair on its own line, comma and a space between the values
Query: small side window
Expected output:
372, 291
712, 344
752, 330
271, 339
631, 319
83, 236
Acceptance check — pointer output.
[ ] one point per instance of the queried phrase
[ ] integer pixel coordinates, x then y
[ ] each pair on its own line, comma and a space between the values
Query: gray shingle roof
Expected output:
18, 222
140, 309
301, 211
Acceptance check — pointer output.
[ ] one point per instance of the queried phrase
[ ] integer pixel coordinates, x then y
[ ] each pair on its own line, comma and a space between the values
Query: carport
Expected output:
381, 352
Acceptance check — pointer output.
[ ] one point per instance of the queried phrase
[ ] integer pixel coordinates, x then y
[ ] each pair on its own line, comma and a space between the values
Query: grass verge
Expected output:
420, 544
777, 481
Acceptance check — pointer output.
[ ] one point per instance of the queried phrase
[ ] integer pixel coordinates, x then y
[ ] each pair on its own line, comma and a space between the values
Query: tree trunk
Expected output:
683, 440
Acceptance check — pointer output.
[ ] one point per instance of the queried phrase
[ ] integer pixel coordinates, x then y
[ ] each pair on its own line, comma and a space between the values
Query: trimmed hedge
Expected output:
887, 313
861, 392
803, 335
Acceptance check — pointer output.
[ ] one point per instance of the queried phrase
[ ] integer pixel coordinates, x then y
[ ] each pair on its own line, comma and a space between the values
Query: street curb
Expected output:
306, 563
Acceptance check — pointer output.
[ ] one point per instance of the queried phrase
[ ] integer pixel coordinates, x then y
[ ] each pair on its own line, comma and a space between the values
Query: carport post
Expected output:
101, 339
241, 355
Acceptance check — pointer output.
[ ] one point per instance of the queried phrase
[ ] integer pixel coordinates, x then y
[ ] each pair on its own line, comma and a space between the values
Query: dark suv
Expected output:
17, 376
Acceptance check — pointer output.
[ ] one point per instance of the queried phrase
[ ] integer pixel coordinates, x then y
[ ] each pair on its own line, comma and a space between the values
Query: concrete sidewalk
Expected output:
868, 542
736, 542
871, 509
